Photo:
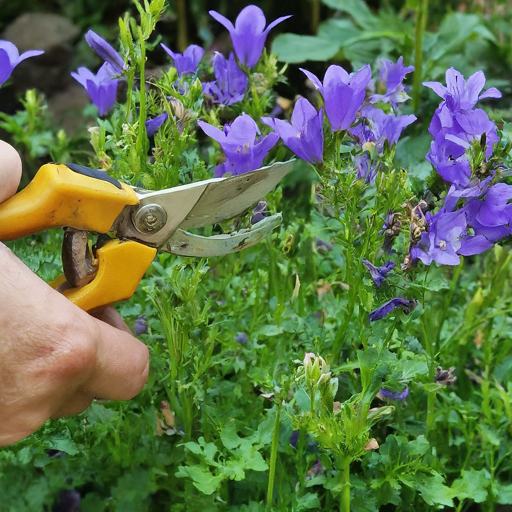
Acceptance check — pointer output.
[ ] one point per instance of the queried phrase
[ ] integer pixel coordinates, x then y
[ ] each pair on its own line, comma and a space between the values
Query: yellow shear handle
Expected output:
58, 197
121, 266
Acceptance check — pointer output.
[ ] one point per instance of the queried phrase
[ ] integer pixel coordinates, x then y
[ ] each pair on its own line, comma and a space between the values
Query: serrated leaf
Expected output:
308, 501
472, 485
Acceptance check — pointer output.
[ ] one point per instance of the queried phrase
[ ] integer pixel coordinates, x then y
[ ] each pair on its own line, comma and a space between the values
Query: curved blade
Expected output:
224, 199
203, 203
188, 244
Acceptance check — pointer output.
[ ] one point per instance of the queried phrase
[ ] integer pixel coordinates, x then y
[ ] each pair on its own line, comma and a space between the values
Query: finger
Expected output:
122, 365
10, 170
112, 317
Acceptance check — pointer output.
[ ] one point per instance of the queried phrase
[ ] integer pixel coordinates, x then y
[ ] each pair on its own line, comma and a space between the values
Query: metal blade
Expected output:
184, 243
199, 204
224, 199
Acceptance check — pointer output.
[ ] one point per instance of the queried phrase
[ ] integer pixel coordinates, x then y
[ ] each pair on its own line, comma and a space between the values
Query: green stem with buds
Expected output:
421, 24
142, 136
273, 457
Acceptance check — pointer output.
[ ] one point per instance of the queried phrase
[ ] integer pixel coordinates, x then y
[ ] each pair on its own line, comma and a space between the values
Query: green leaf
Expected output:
308, 501
229, 437
472, 485
63, 443
430, 487
294, 48
357, 9
489, 434
202, 479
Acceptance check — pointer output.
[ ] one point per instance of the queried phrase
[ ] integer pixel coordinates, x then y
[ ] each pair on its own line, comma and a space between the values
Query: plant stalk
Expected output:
421, 24
273, 457
344, 468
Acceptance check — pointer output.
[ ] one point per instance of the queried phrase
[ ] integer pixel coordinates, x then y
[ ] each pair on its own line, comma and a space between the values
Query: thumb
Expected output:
122, 364
10, 171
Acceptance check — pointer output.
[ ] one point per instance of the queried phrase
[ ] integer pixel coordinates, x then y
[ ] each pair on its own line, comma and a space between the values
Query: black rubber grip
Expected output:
93, 173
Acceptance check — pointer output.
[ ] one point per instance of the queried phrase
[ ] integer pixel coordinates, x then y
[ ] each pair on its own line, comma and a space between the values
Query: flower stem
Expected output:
142, 135
315, 16
421, 23
181, 11
344, 469
431, 401
273, 458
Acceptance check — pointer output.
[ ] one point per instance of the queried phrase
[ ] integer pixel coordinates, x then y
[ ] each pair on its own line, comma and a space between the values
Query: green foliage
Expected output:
225, 424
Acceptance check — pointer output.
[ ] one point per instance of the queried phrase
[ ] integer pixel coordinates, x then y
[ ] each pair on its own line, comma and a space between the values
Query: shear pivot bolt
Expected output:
150, 218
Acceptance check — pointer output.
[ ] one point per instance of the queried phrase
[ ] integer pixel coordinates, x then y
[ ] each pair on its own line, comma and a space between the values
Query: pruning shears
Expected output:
135, 223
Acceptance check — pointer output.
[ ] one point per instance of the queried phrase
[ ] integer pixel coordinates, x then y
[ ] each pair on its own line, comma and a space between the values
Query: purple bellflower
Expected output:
392, 76
390, 395
141, 325
381, 127
459, 94
258, 214
379, 274
243, 152
153, 125
105, 51
487, 209
101, 88
304, 136
10, 58
249, 33
241, 337
365, 168
189, 61
406, 305
230, 81
343, 93
447, 238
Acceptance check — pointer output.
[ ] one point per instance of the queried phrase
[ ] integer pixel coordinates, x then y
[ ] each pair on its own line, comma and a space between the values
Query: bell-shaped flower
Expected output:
153, 125
391, 395
447, 238
238, 141
365, 169
462, 95
105, 51
101, 88
379, 274
343, 93
489, 213
230, 81
380, 127
249, 33
305, 135
404, 304
391, 76
10, 57
188, 61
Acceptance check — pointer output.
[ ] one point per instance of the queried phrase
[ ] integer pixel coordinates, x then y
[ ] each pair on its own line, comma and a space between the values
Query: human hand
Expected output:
55, 358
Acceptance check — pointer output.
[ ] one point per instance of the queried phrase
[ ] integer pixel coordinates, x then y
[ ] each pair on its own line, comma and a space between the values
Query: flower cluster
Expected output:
476, 212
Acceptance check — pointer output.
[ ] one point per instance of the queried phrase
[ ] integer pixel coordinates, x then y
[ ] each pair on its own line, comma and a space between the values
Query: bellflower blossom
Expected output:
392, 76
153, 125
249, 33
459, 94
387, 393
243, 152
379, 274
10, 57
189, 61
365, 169
230, 81
447, 238
381, 127
406, 305
101, 88
304, 136
343, 93
105, 51
486, 207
